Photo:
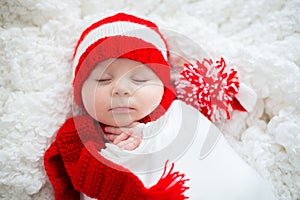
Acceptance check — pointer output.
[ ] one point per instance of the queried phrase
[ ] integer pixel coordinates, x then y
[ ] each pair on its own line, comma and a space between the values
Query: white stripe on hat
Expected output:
121, 28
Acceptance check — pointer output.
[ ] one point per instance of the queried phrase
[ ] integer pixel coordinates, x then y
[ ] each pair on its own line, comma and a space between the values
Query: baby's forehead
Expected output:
121, 64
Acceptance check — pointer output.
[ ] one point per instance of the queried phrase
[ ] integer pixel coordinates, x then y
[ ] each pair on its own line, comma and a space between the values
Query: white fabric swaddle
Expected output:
199, 150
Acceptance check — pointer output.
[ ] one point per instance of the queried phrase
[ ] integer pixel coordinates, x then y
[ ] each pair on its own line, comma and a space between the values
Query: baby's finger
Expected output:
110, 137
130, 143
121, 137
113, 130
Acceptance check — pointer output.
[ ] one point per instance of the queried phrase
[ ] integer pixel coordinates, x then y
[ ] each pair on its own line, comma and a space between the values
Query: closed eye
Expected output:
140, 80
105, 78
104, 81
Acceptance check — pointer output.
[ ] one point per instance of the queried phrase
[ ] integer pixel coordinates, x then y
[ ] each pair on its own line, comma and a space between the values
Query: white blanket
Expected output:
260, 38
198, 149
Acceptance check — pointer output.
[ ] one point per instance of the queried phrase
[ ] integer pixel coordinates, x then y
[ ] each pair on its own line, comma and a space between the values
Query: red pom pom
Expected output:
210, 87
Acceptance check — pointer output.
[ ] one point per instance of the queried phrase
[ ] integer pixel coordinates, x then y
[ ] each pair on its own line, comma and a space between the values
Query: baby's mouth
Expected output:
121, 109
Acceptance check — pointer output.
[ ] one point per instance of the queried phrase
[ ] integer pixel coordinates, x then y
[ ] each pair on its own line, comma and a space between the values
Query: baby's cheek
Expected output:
101, 100
93, 101
156, 92
152, 95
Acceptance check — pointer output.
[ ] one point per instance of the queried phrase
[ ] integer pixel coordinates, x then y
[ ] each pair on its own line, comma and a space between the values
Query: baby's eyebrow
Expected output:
100, 74
143, 69
142, 72
104, 75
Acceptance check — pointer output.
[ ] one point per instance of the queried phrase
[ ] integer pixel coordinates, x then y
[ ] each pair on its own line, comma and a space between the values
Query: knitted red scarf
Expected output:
73, 165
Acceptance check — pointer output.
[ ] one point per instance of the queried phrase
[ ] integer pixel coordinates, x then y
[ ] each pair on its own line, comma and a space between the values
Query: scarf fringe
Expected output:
169, 186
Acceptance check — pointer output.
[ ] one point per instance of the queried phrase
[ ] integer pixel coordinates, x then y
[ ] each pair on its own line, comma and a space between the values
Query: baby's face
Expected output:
119, 92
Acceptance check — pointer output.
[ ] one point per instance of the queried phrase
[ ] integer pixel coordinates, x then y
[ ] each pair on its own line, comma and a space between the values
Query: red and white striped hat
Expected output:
120, 36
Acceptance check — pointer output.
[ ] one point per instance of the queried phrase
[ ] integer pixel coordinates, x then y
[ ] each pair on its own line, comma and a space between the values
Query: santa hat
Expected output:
211, 87
122, 36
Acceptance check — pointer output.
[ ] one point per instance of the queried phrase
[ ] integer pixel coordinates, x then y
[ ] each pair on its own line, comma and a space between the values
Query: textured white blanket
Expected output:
260, 38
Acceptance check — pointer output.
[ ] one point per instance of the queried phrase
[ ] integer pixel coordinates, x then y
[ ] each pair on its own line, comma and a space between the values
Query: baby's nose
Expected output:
122, 89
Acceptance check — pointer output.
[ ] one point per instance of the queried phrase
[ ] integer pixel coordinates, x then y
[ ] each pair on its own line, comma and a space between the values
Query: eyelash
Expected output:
140, 80
103, 81
107, 81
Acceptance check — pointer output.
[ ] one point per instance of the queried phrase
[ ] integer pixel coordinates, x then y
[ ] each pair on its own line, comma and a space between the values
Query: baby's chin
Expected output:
120, 120
120, 123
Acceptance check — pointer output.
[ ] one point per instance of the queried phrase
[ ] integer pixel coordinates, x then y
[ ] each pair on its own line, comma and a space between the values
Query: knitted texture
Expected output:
210, 86
120, 36
73, 164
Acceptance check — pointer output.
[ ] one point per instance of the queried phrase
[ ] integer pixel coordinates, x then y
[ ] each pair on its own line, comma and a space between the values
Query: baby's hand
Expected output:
126, 138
